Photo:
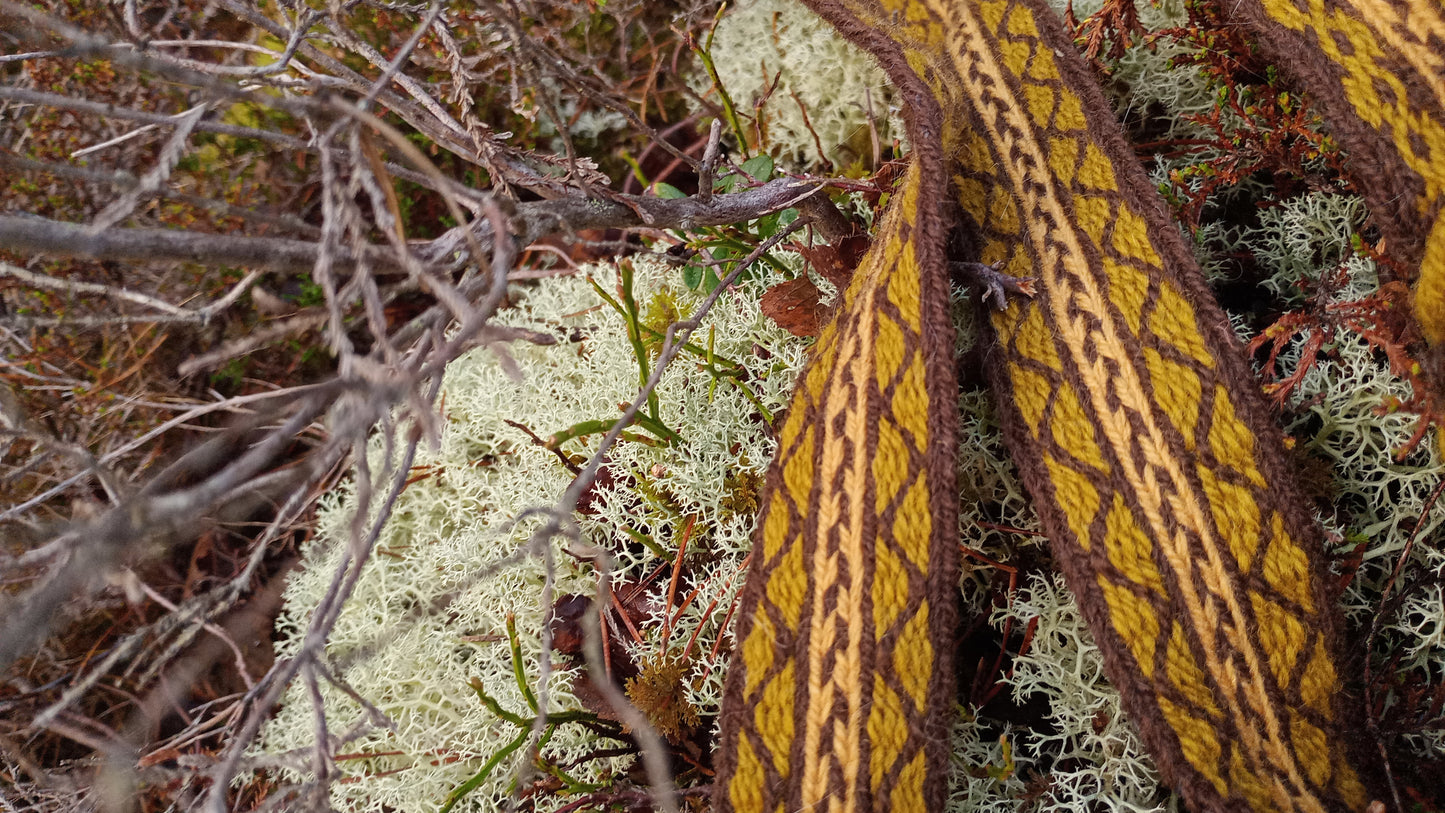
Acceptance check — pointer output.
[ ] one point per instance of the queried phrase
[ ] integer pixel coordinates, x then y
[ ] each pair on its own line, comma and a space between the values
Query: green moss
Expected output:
742, 491
660, 313
660, 693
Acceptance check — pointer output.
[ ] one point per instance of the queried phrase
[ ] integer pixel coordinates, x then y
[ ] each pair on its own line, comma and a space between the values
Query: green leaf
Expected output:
711, 281
692, 276
667, 190
767, 225
759, 166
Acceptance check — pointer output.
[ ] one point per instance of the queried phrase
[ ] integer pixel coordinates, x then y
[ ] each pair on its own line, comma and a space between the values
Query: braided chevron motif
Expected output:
1127, 403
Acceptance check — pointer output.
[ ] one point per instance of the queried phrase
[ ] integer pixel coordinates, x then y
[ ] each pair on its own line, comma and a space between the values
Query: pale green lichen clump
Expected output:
459, 517
1379, 500
840, 86
1091, 759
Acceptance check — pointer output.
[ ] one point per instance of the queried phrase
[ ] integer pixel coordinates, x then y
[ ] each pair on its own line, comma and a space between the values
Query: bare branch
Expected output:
58, 239
72, 286
175, 147
334, 118
530, 222
156, 514
59, 102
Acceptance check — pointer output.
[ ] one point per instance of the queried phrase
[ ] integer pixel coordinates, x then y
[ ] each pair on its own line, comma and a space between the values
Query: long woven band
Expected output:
1132, 416
835, 694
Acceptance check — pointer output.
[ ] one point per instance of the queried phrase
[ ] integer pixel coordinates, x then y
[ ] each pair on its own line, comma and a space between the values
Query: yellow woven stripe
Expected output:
1357, 35
834, 670
1112, 382
802, 653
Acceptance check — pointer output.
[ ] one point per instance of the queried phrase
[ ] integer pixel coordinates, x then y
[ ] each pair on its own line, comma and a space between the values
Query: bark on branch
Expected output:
529, 222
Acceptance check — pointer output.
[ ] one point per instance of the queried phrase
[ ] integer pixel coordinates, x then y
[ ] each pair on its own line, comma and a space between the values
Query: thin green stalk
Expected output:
712, 385
636, 169
730, 111
652, 421
647, 542
481, 776
569, 785
733, 370
518, 668
493, 706
632, 315
598, 427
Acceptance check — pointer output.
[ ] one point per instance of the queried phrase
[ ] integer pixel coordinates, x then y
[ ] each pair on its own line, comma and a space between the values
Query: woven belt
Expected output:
1126, 400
